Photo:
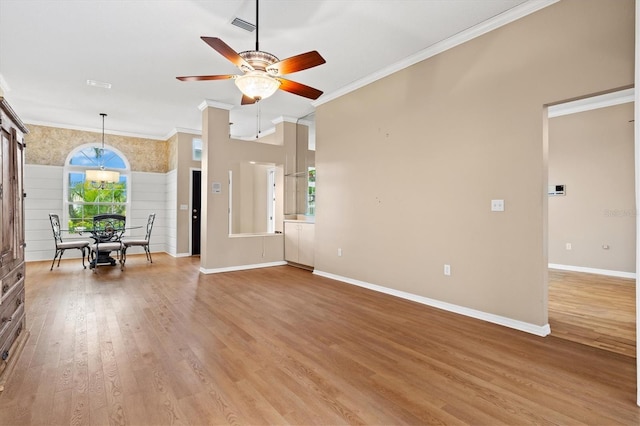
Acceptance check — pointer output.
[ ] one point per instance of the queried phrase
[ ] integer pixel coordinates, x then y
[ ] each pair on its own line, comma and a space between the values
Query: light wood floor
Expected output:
594, 310
163, 344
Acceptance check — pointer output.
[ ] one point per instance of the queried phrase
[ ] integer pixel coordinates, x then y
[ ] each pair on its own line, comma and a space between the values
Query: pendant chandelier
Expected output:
100, 176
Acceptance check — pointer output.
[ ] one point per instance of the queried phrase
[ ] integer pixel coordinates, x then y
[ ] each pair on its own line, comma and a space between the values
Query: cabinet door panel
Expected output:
7, 196
18, 143
306, 243
291, 241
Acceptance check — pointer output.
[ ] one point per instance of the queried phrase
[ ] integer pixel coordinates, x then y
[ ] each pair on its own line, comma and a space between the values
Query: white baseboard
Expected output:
241, 267
620, 274
484, 316
180, 254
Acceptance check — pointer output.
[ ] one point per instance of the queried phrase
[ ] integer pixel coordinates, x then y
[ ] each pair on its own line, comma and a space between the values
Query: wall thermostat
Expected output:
556, 190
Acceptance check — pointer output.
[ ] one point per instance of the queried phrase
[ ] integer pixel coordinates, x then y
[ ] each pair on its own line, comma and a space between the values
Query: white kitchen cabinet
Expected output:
299, 238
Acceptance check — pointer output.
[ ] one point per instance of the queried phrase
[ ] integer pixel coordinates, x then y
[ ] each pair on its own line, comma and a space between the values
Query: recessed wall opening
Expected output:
591, 224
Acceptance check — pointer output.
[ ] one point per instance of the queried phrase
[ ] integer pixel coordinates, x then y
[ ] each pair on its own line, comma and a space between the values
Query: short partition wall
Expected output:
44, 189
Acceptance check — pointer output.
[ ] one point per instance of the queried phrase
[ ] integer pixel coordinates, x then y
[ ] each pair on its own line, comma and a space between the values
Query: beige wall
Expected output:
592, 153
51, 146
219, 250
407, 166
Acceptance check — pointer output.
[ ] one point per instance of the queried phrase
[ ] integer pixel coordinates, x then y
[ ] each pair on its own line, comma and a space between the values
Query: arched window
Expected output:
84, 199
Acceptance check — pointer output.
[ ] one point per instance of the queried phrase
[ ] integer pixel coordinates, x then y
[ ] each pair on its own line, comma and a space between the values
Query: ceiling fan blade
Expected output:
223, 48
206, 77
296, 63
247, 100
299, 89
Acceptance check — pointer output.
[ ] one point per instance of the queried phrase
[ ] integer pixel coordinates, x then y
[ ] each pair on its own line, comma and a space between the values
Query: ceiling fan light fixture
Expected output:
257, 84
261, 70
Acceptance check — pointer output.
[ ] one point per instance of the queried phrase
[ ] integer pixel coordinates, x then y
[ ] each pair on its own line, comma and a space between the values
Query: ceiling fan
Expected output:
262, 71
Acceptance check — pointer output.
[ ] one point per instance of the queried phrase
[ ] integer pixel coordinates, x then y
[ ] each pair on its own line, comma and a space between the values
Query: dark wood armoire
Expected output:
12, 268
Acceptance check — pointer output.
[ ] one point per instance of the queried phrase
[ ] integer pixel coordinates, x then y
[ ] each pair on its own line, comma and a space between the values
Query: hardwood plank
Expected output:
42, 405
64, 379
198, 410
96, 389
594, 310
161, 404
61, 408
137, 410
164, 344
80, 414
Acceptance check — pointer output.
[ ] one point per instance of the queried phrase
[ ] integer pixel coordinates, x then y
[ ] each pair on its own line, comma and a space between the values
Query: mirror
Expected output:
254, 191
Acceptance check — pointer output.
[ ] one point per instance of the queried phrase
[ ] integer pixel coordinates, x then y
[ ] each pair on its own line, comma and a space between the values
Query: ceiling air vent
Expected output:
243, 24
102, 84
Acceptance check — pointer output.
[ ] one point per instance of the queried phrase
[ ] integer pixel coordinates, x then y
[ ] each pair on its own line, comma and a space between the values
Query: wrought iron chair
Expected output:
61, 246
144, 243
107, 236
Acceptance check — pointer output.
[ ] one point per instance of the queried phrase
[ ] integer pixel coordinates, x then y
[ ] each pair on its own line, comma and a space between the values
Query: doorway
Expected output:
592, 221
196, 204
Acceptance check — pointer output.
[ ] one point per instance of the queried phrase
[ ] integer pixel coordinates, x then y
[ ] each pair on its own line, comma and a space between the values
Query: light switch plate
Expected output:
497, 205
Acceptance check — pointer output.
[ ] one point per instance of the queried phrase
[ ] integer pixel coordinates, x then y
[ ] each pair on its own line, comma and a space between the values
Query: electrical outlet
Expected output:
339, 252
447, 269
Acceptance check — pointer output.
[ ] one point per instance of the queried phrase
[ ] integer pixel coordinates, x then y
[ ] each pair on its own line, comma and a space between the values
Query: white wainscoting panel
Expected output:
147, 197
43, 186
171, 200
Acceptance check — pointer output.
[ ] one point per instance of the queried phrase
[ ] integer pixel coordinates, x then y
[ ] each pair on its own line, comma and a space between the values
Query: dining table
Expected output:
112, 234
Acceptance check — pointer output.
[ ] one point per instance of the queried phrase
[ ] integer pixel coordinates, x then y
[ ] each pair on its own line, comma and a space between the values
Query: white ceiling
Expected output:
50, 48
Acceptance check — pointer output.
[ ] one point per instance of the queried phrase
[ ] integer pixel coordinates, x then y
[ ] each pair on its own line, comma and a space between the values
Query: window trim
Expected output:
68, 168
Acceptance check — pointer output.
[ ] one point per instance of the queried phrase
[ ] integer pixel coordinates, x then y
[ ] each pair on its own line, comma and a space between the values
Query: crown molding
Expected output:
93, 130
491, 24
194, 132
594, 102
305, 122
214, 104
284, 119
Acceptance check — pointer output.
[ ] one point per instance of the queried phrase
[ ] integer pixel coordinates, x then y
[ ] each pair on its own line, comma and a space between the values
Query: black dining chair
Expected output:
107, 237
61, 246
144, 243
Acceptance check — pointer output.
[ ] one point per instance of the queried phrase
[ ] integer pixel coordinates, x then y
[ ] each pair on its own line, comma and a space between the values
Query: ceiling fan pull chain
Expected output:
258, 119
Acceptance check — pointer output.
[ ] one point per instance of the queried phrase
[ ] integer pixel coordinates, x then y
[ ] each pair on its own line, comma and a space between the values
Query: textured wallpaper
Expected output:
52, 145
172, 152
